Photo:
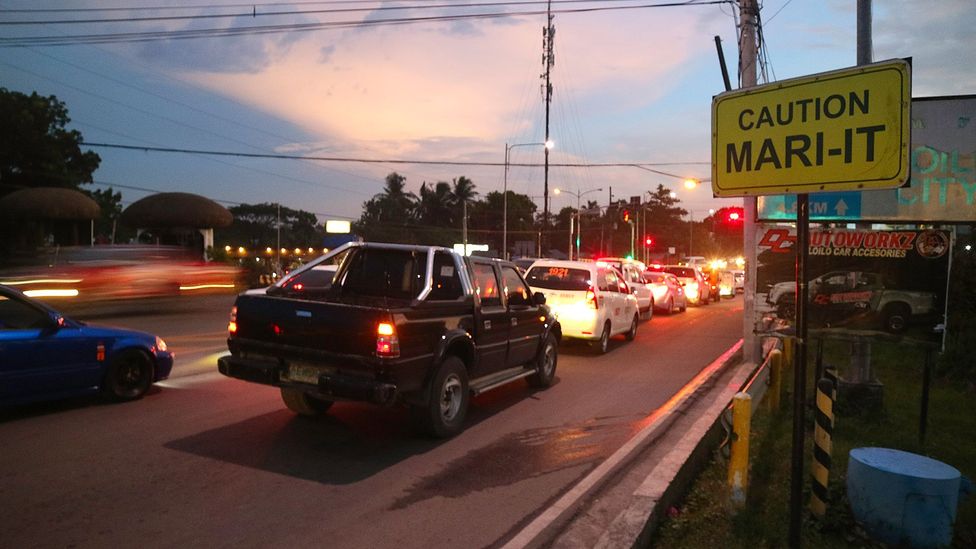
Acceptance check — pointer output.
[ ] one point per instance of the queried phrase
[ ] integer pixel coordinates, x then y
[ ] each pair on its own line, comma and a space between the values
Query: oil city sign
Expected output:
840, 130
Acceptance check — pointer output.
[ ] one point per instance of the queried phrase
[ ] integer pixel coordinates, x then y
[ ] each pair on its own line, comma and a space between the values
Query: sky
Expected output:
630, 86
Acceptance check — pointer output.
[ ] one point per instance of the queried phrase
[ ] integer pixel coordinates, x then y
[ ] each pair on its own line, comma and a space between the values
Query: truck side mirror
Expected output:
539, 298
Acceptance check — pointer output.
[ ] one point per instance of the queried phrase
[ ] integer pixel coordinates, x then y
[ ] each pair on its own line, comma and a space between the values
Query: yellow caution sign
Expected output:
834, 131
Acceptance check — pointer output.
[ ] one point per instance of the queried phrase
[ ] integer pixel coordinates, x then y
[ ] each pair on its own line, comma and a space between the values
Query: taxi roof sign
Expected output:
834, 131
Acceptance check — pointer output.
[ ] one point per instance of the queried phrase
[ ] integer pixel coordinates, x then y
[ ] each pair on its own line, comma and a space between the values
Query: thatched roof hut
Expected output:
176, 210
48, 203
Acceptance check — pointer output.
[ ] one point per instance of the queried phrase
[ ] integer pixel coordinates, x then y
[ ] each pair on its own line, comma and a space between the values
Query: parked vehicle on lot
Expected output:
418, 325
45, 355
697, 290
669, 295
843, 294
590, 299
632, 271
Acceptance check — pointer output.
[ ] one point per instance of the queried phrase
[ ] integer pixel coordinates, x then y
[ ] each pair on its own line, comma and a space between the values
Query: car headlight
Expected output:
160, 344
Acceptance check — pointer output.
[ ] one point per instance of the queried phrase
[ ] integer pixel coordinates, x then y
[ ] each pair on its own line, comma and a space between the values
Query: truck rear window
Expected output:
378, 272
558, 278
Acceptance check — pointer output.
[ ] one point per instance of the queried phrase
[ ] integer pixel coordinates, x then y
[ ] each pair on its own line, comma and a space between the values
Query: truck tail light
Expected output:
232, 324
591, 298
387, 343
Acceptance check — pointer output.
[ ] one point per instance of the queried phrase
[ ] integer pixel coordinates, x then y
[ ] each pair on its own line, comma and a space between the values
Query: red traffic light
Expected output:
648, 241
626, 216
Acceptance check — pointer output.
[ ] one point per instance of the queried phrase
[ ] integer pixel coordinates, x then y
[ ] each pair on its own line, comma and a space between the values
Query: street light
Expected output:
578, 194
548, 145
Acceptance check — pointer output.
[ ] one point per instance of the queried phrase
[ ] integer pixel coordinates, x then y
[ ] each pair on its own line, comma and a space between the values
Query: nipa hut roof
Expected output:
174, 210
48, 203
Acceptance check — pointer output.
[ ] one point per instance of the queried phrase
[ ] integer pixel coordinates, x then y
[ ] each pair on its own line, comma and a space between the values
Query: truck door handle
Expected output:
514, 321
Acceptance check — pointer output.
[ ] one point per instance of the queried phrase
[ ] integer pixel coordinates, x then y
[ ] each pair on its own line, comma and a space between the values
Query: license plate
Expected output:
303, 373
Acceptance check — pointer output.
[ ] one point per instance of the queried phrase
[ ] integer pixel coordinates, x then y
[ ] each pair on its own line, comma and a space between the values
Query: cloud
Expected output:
404, 88
938, 37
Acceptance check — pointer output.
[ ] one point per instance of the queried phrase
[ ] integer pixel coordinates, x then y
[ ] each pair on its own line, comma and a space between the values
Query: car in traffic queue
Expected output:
697, 290
738, 281
590, 300
45, 355
669, 295
632, 271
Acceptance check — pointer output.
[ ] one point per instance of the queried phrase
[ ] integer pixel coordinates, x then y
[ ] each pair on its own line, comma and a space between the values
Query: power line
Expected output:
641, 165
148, 36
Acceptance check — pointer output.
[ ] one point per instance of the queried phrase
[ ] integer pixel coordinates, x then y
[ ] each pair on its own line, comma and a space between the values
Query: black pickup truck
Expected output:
393, 324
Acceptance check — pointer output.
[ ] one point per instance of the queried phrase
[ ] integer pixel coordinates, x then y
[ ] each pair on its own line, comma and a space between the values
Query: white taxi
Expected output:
591, 300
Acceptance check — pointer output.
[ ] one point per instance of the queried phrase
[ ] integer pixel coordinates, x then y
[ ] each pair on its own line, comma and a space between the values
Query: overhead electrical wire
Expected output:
148, 36
641, 165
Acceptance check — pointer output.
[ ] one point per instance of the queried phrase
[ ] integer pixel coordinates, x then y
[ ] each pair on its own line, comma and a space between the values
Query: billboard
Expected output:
860, 279
942, 186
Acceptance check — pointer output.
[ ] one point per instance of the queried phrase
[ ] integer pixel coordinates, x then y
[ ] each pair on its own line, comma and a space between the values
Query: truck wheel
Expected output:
545, 365
443, 414
304, 404
128, 377
894, 317
632, 332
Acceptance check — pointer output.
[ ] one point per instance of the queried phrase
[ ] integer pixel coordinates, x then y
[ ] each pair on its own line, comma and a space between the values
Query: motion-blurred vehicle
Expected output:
107, 272
590, 300
669, 295
631, 271
697, 290
45, 355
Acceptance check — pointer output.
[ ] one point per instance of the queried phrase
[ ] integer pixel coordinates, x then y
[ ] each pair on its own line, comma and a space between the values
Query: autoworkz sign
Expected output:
835, 131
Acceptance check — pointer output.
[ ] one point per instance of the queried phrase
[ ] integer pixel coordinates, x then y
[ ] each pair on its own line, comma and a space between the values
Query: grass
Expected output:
704, 518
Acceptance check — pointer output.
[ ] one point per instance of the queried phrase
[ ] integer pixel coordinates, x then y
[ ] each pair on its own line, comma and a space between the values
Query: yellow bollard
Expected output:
822, 447
739, 458
775, 379
788, 352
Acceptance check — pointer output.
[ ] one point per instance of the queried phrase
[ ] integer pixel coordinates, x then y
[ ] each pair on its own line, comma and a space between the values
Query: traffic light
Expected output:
648, 241
625, 215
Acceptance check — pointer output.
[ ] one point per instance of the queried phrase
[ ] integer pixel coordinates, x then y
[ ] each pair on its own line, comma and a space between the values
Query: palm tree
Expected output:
435, 205
463, 193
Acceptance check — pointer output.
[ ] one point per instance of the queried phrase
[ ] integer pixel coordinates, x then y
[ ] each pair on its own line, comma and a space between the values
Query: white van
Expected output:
591, 300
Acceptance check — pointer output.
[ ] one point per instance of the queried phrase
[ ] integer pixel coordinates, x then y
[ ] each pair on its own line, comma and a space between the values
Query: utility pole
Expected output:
548, 36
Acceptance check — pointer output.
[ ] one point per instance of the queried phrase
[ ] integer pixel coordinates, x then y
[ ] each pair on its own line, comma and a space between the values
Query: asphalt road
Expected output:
209, 461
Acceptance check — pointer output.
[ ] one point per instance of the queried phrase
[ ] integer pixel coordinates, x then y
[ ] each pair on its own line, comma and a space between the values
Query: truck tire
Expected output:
894, 317
545, 364
443, 414
304, 404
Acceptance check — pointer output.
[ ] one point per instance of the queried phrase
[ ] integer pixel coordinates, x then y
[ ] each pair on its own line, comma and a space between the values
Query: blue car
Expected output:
46, 356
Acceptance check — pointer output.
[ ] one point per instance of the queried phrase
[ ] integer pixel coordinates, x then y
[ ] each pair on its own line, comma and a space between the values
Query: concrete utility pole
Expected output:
548, 36
748, 53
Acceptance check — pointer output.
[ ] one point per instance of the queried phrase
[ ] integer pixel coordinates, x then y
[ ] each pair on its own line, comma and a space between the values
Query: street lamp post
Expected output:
548, 145
691, 228
578, 194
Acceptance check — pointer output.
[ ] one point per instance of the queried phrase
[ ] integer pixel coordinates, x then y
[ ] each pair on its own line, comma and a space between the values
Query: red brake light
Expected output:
387, 343
591, 298
232, 324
